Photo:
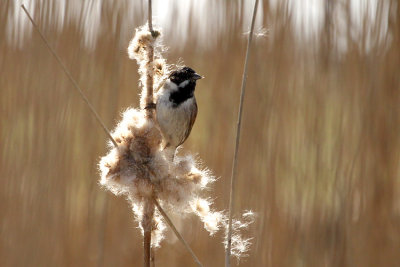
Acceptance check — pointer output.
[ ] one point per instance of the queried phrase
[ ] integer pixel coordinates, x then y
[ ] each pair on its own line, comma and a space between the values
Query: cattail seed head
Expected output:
140, 169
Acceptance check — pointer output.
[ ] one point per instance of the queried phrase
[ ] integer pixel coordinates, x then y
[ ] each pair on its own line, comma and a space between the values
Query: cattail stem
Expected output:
66, 71
238, 128
147, 222
149, 205
150, 67
149, 82
146, 247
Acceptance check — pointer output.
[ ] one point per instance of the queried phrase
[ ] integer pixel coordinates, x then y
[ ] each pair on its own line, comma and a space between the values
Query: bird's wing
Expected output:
193, 116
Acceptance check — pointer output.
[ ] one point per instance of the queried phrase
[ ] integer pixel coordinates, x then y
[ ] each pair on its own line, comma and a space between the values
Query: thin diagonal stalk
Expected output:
70, 78
178, 235
235, 155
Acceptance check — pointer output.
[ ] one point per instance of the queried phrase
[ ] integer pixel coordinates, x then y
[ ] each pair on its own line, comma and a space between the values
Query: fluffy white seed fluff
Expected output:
138, 50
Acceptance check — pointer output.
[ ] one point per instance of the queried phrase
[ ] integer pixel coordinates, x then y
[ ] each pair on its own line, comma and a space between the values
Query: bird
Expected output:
176, 107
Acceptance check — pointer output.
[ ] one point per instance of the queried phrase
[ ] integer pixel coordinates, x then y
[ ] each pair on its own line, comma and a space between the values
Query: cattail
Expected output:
140, 169
139, 48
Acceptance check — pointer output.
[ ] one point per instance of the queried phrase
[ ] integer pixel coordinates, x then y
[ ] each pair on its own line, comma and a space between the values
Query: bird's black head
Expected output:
185, 78
184, 74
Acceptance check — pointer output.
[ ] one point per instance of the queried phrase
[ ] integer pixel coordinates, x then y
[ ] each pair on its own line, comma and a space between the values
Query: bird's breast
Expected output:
174, 121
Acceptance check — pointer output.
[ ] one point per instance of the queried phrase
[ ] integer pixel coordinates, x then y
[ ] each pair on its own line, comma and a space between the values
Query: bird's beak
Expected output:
197, 76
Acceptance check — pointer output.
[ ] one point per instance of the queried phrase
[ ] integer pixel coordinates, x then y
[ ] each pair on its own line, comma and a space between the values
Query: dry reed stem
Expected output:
149, 82
66, 71
147, 222
235, 156
149, 205
149, 70
146, 247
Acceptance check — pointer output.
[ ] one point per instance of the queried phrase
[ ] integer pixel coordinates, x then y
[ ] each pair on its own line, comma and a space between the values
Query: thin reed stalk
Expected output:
150, 69
238, 128
147, 222
146, 247
149, 206
66, 71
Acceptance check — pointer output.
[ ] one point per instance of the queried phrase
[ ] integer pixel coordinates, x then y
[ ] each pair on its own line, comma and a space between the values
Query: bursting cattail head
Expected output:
140, 169
139, 48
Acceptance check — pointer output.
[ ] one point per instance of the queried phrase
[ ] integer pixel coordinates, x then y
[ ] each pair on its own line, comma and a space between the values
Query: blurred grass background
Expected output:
320, 148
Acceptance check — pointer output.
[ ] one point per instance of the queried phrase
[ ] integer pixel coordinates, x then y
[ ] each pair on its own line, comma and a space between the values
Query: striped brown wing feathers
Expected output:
193, 116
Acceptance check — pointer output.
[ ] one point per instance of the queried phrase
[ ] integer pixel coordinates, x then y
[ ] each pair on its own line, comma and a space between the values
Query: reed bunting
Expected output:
176, 107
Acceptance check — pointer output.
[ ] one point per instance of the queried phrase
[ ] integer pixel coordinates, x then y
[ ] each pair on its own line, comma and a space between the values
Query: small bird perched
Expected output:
176, 107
